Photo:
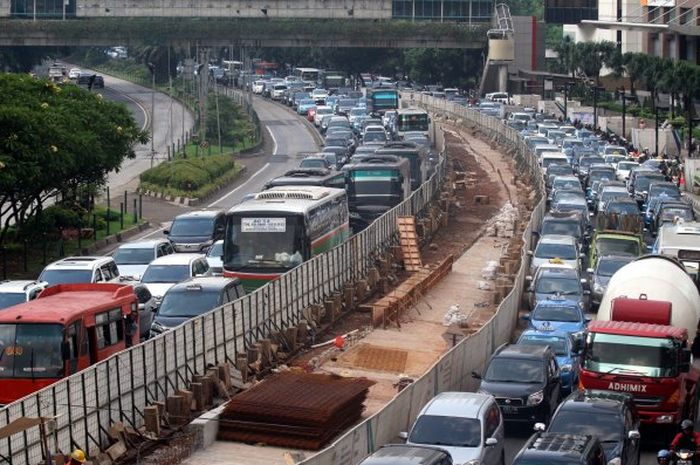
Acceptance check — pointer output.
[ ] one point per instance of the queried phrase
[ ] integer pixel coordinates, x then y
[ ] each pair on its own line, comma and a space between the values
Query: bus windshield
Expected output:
634, 355
414, 122
31, 350
264, 241
373, 182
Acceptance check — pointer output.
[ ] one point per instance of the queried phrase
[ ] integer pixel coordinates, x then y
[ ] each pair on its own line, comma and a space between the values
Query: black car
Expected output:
609, 416
84, 79
569, 223
561, 449
196, 231
402, 454
525, 381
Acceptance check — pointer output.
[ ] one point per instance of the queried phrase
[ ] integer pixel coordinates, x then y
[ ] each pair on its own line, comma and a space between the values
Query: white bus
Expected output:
281, 228
307, 75
682, 241
412, 120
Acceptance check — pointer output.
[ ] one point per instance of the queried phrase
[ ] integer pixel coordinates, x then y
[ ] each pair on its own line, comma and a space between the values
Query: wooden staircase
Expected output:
409, 243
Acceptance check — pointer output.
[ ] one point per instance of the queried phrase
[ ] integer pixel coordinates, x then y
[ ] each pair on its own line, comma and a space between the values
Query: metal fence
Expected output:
117, 390
452, 371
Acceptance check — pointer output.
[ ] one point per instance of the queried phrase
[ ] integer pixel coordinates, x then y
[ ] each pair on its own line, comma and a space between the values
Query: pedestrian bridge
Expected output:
249, 23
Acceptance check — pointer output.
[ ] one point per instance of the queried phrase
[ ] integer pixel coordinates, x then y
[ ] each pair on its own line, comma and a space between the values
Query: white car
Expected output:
321, 111
319, 95
258, 87
560, 248
164, 272
467, 425
133, 258
73, 270
278, 91
74, 73
215, 258
19, 292
623, 169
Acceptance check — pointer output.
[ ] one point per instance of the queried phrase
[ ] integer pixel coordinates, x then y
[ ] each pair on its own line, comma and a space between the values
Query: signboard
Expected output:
655, 3
263, 225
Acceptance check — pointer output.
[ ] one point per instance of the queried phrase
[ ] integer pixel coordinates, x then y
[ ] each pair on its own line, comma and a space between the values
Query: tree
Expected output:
634, 65
55, 139
590, 57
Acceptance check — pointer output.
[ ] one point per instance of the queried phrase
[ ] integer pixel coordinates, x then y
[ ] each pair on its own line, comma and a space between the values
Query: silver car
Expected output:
467, 425
556, 248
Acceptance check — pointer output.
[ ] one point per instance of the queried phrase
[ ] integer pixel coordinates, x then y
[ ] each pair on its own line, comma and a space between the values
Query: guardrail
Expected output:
452, 371
87, 403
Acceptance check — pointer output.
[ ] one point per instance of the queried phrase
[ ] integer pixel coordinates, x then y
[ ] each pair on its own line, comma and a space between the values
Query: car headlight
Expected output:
565, 368
535, 398
615, 461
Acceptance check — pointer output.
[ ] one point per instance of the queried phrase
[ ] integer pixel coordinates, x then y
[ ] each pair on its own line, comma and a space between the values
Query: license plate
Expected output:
509, 409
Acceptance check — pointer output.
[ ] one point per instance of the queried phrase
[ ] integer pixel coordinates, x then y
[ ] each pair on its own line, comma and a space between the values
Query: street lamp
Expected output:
152, 69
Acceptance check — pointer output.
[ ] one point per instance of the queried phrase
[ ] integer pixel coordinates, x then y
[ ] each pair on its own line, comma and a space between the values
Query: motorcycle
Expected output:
685, 457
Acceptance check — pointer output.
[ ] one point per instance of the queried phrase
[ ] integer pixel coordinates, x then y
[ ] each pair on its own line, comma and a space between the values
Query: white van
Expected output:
552, 158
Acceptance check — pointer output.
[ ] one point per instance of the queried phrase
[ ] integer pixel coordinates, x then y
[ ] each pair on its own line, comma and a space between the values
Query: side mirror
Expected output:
476, 375
584, 280
490, 442
529, 253
539, 427
528, 279
634, 434
166, 231
590, 270
526, 317
65, 350
404, 435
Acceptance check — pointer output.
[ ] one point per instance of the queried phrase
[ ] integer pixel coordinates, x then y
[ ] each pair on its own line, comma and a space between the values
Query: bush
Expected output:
107, 215
188, 175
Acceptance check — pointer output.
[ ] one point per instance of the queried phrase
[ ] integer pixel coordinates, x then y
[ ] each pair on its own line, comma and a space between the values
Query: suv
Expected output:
72, 270
196, 231
561, 449
610, 416
525, 381
192, 298
467, 425
165, 272
19, 292
400, 454
133, 258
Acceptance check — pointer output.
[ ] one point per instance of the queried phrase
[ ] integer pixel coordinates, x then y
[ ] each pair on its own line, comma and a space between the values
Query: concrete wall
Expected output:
529, 39
4, 8
361, 9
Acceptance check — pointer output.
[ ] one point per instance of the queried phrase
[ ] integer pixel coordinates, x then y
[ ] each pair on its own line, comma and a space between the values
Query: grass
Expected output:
204, 191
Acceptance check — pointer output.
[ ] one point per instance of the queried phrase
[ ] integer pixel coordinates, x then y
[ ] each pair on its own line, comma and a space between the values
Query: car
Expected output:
557, 314
610, 242
569, 223
401, 454
621, 206
565, 249
608, 415
164, 272
567, 349
86, 269
305, 105
132, 258
74, 73
561, 449
640, 181
584, 164
321, 111
554, 171
258, 87
147, 306
568, 181
196, 231
670, 212
525, 380
87, 78
609, 193
194, 297
467, 425
556, 279
601, 274
315, 161
215, 258
19, 291
577, 205
565, 194
623, 168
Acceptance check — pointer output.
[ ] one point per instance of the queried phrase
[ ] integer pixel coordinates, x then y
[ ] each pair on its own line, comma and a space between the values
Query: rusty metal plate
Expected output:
380, 359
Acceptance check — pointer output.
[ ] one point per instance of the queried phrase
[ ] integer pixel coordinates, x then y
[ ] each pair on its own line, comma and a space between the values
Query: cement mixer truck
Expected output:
641, 340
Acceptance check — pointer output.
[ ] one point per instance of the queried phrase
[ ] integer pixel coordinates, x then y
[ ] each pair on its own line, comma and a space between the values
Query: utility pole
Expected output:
624, 114
203, 92
566, 102
656, 130
152, 69
595, 107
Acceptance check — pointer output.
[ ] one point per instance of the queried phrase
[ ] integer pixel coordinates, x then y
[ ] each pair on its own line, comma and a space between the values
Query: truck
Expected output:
641, 340
616, 235
381, 100
57, 72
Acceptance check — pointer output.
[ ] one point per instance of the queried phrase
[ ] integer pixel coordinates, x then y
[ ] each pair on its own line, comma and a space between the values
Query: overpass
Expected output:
248, 23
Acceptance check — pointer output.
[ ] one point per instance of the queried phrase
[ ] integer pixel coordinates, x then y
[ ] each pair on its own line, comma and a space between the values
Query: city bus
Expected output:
280, 228
417, 155
307, 75
309, 177
375, 185
66, 329
412, 120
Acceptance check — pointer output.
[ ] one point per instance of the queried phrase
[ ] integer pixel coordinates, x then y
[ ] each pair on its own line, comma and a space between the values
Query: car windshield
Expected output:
216, 250
8, 299
611, 194
134, 256
608, 267
557, 343
606, 427
549, 250
622, 208
562, 196
563, 286
374, 136
439, 430
670, 213
514, 370
566, 184
612, 246
588, 161
644, 356
641, 183
192, 227
556, 313
313, 163
668, 191
166, 273
31, 350
66, 276
626, 165
564, 227
189, 303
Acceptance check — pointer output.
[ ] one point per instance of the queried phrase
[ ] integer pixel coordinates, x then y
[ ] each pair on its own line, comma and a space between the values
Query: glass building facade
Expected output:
570, 11
44, 9
447, 10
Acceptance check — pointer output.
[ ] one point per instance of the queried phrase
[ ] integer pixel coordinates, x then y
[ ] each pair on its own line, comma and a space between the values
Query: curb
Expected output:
115, 238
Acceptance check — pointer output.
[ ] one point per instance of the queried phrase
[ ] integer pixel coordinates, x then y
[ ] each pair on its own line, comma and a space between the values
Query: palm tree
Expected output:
634, 65
653, 75
565, 50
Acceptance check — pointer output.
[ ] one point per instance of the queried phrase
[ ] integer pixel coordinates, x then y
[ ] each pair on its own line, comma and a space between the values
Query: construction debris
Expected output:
297, 410
455, 316
409, 243
503, 224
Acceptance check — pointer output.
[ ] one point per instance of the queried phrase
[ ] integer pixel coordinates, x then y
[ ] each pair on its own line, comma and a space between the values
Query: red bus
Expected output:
66, 329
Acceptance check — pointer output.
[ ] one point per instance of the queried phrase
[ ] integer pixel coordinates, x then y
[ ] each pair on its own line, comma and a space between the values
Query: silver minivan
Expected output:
467, 425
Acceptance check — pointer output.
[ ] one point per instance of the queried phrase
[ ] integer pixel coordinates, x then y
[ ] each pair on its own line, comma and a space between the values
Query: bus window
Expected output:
110, 328
31, 350
73, 339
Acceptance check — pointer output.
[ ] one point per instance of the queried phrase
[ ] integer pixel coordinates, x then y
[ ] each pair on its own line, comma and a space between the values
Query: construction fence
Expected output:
453, 371
86, 404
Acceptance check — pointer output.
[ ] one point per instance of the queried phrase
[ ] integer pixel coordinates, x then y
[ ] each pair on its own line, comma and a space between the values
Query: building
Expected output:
443, 10
664, 28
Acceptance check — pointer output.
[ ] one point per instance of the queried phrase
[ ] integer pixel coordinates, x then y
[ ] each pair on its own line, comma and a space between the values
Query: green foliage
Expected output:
187, 175
526, 7
55, 139
236, 125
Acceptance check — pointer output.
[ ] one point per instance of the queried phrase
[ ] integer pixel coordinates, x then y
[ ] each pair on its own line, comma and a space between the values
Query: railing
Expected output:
452, 371
117, 390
